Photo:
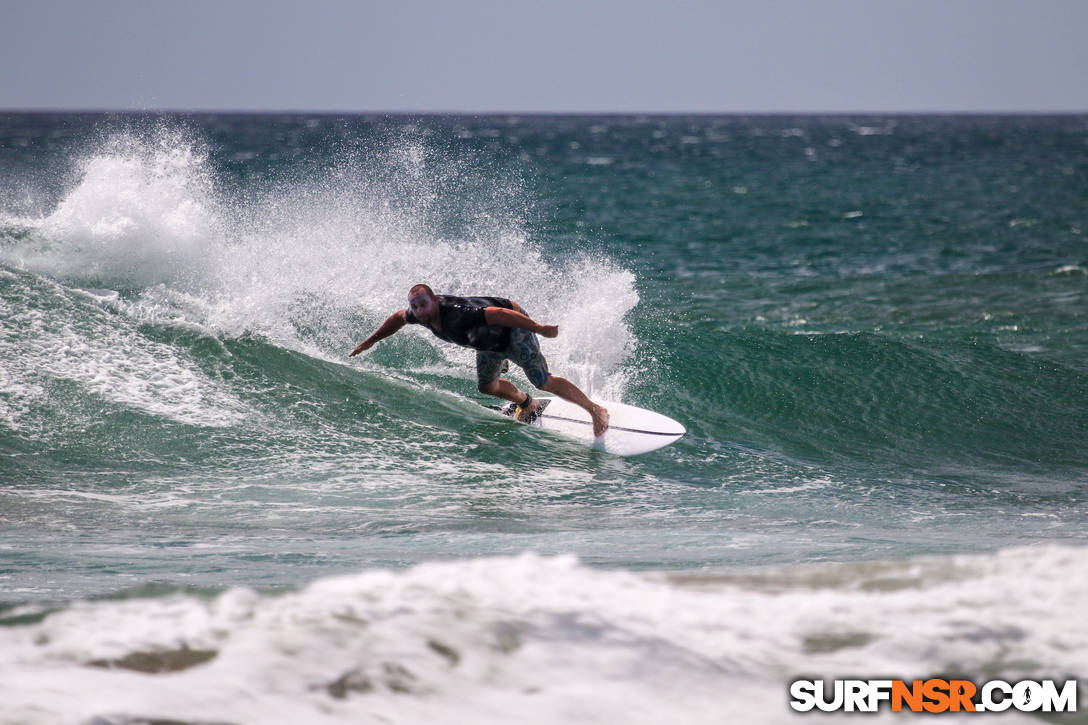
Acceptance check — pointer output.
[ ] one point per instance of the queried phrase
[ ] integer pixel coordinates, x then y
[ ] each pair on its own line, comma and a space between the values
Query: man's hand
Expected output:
364, 345
396, 321
549, 330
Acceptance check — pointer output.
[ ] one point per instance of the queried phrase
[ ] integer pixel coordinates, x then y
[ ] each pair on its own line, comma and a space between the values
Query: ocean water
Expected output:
875, 330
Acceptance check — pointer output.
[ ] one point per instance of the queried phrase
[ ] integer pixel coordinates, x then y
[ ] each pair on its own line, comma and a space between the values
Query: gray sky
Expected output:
553, 56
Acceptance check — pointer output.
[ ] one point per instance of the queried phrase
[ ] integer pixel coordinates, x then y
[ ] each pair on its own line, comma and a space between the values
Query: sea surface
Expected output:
875, 329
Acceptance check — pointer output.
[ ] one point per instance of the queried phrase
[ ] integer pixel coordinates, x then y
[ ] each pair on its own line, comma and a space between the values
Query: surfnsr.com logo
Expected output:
933, 696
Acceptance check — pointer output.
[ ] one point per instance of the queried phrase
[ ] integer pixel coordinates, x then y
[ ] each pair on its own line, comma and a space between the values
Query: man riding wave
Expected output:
499, 330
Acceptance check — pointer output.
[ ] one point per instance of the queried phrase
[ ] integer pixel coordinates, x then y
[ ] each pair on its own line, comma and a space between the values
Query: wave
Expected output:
533, 639
153, 235
159, 290
882, 400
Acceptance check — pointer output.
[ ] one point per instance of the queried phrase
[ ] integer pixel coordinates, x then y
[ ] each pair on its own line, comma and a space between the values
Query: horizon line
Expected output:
649, 113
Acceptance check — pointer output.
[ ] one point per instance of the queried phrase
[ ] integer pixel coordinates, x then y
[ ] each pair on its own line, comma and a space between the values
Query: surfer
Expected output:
499, 330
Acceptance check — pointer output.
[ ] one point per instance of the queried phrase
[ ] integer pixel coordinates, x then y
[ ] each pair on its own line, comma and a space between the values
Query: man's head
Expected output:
422, 302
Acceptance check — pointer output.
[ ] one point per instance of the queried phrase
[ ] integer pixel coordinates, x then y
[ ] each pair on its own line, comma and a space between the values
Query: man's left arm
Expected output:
514, 318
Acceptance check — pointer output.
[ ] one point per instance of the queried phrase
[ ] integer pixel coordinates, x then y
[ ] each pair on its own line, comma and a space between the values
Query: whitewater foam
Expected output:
142, 212
56, 334
538, 640
314, 261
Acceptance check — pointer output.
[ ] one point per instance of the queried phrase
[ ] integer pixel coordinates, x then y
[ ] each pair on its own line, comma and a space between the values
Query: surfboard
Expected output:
631, 430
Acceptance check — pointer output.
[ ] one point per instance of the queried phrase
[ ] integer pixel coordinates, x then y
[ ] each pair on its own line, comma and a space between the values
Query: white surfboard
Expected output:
631, 430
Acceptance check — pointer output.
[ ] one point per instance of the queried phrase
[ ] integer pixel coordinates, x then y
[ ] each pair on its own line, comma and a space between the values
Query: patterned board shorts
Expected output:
524, 351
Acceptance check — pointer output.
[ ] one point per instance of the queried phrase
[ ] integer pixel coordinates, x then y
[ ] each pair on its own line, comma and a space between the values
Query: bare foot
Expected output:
525, 414
600, 420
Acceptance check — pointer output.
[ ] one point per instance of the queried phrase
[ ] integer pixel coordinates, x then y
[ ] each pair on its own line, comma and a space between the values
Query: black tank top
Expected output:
463, 322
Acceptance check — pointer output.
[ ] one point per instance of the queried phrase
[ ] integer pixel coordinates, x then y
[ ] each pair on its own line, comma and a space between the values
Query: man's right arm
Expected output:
394, 322
514, 318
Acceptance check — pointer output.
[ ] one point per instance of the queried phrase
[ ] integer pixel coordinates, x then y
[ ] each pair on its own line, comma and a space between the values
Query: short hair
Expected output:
425, 288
